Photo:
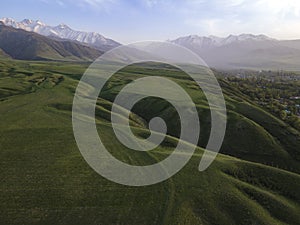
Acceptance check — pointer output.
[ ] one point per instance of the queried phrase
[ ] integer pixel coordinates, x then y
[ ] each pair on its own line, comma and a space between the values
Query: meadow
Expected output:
45, 180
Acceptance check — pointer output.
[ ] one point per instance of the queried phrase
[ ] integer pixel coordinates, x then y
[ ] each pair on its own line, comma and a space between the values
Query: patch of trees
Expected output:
276, 95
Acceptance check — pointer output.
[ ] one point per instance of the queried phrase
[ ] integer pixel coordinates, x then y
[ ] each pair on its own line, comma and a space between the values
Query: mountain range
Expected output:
245, 51
63, 31
24, 45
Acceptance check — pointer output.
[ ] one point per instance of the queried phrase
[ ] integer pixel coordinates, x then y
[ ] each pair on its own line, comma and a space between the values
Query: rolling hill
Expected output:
45, 180
24, 45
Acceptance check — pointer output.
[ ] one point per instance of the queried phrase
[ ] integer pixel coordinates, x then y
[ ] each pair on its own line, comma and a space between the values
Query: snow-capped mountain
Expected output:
244, 51
23, 45
64, 32
213, 41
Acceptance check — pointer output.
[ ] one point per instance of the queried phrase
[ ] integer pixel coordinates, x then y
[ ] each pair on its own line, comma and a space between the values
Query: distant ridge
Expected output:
244, 51
214, 41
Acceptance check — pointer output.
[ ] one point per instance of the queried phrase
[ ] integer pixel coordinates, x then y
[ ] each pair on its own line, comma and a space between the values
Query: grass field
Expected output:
45, 180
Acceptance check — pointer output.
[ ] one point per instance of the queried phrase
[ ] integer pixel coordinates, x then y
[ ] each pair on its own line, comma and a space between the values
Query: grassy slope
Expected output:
252, 133
44, 179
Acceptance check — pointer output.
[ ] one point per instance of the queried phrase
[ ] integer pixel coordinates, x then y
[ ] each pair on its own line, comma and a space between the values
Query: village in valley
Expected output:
276, 91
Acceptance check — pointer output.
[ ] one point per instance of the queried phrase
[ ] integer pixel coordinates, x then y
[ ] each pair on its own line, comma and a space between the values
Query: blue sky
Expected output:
135, 20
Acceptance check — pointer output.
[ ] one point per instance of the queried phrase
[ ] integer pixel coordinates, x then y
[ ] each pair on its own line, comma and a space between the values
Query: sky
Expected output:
128, 21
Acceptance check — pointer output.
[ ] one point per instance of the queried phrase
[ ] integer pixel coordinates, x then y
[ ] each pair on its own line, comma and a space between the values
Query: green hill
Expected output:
45, 180
252, 133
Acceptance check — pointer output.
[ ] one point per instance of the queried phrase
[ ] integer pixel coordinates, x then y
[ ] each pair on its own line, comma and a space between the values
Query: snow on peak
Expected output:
214, 41
38, 22
246, 37
27, 21
9, 22
62, 26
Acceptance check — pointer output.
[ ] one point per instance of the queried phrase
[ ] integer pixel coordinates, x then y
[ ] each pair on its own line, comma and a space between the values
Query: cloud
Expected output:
158, 3
105, 5
220, 17
150, 3
96, 3
217, 17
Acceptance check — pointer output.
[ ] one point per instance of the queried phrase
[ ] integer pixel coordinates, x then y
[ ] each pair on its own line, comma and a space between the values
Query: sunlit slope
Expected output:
45, 180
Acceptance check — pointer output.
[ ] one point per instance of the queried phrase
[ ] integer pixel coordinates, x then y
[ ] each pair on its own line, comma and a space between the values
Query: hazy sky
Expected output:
136, 20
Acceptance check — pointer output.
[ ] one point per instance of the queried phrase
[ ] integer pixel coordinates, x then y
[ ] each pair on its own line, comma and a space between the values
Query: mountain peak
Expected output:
8, 21
27, 21
40, 23
62, 26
